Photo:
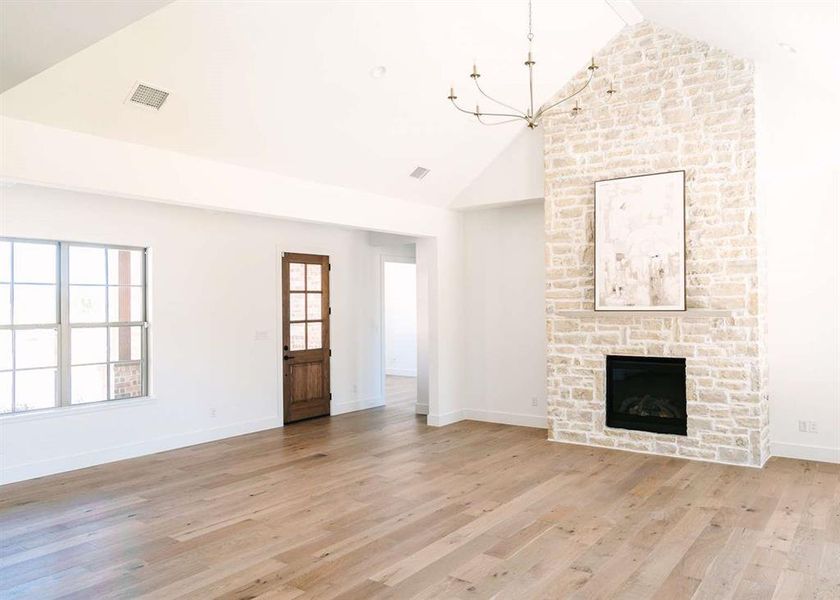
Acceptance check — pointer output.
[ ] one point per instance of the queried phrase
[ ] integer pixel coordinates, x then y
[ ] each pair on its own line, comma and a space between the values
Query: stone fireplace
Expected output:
681, 105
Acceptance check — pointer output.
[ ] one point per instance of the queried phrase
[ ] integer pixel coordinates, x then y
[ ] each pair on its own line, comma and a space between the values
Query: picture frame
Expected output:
639, 230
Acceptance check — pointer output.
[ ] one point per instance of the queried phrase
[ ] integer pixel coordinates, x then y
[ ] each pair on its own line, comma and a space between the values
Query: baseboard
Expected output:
401, 372
341, 408
421, 409
803, 452
506, 418
445, 419
106, 455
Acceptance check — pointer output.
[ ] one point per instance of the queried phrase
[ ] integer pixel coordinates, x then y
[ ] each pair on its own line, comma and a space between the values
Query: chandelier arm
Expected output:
544, 110
463, 110
499, 122
483, 93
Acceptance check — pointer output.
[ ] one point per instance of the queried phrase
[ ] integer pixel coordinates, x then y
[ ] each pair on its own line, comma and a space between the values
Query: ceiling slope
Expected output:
287, 87
36, 34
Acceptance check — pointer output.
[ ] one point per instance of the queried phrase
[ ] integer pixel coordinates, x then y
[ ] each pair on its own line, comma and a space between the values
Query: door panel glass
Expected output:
313, 307
313, 278
297, 307
313, 336
297, 336
297, 277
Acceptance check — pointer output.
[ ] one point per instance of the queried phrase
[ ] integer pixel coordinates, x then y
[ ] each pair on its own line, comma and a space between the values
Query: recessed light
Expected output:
787, 47
378, 72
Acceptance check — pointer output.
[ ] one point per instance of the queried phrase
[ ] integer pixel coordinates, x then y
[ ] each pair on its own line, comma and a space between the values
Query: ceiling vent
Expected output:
419, 173
146, 95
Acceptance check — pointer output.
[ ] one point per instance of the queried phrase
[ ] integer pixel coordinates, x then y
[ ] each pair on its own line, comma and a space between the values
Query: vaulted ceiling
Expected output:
287, 86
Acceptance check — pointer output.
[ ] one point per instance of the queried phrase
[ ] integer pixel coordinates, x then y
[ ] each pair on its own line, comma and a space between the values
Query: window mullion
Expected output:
64, 324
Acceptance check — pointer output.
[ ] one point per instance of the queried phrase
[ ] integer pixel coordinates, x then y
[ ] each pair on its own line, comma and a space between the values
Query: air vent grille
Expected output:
419, 173
149, 96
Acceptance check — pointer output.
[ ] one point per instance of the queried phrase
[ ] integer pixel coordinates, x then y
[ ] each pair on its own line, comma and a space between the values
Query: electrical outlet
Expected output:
533, 400
213, 413
808, 427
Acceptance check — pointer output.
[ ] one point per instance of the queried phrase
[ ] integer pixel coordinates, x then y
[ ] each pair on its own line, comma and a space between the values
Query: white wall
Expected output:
798, 162
400, 318
214, 288
52, 157
505, 320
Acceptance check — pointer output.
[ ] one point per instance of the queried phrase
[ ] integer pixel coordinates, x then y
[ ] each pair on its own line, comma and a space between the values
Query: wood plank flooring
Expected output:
375, 504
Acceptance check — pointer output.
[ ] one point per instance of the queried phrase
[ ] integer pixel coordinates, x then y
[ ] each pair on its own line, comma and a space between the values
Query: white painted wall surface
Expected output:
47, 156
214, 287
798, 162
400, 318
505, 320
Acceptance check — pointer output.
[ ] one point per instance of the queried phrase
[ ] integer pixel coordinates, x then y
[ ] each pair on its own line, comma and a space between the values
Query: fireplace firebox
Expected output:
646, 394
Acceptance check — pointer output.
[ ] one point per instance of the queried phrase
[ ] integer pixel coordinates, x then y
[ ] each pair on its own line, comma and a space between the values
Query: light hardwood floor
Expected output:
375, 504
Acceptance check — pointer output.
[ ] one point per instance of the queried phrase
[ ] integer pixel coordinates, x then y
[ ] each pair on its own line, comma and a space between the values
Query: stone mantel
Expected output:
691, 313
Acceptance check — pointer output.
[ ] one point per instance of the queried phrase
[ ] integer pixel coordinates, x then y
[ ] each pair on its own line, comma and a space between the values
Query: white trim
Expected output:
805, 452
663, 455
421, 409
506, 418
62, 464
626, 11
445, 419
60, 412
401, 372
340, 408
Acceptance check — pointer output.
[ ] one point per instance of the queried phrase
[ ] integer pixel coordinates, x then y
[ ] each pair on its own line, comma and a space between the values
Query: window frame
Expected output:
63, 327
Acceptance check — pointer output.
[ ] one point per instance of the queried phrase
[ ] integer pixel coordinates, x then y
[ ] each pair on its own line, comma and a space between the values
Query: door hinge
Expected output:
330, 395
329, 310
330, 352
329, 267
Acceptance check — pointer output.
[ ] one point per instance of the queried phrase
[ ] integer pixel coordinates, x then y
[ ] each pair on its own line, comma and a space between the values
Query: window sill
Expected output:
80, 409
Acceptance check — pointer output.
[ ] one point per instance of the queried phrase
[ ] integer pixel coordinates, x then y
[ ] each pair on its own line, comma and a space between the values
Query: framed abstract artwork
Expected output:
640, 242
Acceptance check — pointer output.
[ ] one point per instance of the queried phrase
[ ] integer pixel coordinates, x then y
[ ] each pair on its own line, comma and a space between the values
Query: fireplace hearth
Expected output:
646, 394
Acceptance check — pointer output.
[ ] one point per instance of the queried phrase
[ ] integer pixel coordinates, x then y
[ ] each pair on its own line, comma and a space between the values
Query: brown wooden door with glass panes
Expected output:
306, 336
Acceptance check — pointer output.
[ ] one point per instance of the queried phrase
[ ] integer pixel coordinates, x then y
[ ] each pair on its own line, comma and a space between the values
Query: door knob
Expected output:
285, 357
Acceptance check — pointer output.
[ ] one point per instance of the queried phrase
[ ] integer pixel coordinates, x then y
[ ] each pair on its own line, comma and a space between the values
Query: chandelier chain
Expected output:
530, 28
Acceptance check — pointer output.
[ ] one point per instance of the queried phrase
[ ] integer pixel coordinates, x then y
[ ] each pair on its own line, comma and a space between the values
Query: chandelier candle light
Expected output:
529, 116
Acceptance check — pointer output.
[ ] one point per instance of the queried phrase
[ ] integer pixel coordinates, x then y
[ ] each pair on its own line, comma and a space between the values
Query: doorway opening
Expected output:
399, 331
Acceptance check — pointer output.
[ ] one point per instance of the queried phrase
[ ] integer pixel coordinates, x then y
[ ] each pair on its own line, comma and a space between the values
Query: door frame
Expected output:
278, 314
392, 258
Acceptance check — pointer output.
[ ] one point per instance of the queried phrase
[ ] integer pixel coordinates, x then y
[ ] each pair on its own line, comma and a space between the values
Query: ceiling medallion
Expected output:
530, 117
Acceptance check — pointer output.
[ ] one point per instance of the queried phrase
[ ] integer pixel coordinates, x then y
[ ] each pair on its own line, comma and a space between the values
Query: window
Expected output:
73, 324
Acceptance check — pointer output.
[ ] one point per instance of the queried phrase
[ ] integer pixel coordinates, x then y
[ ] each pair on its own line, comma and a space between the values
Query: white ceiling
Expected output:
754, 29
286, 86
36, 34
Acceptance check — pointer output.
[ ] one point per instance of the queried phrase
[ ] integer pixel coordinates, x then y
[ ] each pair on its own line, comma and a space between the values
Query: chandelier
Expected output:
530, 117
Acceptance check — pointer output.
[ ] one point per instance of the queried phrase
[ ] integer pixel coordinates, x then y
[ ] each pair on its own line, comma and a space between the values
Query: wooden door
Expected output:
306, 336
